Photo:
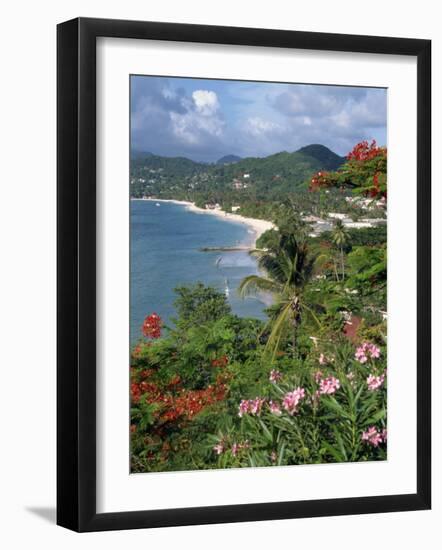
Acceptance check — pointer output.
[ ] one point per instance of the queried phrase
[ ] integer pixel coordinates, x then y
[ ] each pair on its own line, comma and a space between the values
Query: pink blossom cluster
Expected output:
365, 351
275, 376
292, 399
251, 406
373, 437
275, 408
219, 448
329, 385
375, 382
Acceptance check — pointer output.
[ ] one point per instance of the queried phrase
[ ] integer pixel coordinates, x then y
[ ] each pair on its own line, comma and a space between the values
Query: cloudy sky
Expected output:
206, 119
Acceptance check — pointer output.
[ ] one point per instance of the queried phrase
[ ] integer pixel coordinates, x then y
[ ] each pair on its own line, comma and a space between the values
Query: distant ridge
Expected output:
228, 159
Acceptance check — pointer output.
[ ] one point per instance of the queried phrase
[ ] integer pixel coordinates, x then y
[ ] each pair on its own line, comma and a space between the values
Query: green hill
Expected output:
328, 159
253, 180
228, 159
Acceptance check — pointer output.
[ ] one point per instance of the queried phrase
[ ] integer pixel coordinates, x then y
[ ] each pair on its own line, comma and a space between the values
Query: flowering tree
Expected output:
152, 326
365, 172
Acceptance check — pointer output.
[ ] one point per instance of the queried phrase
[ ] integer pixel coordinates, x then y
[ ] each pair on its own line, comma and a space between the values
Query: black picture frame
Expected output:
76, 273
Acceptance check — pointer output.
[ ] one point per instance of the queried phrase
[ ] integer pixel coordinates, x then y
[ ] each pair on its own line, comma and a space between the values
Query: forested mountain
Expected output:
228, 159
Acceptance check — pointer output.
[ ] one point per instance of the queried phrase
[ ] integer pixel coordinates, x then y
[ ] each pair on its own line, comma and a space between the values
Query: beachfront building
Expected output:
358, 225
211, 206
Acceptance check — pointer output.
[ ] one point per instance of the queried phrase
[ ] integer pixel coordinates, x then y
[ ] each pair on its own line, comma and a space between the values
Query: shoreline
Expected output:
257, 226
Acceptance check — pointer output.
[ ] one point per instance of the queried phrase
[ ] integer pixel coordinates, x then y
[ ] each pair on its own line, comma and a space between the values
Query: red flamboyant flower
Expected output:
152, 326
318, 180
135, 392
364, 151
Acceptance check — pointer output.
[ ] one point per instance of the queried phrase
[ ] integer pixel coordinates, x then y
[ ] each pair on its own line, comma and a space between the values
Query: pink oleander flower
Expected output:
218, 448
361, 357
275, 408
372, 436
250, 406
384, 435
375, 382
255, 405
292, 399
275, 376
243, 407
318, 376
329, 385
365, 351
273, 457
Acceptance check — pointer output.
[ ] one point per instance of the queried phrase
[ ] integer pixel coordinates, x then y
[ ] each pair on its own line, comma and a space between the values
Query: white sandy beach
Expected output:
258, 227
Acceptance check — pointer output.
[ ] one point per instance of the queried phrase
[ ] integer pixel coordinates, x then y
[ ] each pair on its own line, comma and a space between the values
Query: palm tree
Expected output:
340, 238
287, 270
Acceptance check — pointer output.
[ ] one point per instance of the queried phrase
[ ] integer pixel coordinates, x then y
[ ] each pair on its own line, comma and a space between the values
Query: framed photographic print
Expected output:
243, 281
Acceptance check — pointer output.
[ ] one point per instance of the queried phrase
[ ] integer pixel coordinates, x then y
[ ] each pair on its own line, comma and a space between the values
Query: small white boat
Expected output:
227, 291
157, 204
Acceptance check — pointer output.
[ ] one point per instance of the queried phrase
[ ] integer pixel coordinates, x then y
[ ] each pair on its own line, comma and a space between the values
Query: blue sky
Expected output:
207, 119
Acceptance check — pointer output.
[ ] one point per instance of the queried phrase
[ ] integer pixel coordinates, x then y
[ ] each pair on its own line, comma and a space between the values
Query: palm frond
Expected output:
277, 329
276, 267
255, 283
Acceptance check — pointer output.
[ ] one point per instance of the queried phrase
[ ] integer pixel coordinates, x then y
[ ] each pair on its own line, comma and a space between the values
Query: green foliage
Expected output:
368, 268
197, 304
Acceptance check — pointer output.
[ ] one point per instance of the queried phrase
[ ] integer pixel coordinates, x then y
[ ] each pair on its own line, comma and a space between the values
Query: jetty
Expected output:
224, 248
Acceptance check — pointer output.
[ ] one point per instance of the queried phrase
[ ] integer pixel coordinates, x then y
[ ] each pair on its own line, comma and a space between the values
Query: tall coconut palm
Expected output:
340, 238
287, 268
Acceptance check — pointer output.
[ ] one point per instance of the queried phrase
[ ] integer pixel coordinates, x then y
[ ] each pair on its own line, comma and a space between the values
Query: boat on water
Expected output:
157, 204
227, 291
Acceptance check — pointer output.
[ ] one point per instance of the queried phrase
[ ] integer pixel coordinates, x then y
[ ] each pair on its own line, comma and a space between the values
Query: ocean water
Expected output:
165, 253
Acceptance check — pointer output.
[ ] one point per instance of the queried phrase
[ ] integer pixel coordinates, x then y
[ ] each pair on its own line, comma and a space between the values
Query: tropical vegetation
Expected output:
306, 386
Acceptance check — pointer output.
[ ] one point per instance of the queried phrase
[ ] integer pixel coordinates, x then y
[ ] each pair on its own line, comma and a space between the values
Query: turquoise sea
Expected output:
166, 239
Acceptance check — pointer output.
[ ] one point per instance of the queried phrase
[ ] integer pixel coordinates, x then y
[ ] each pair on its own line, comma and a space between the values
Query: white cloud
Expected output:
201, 119
257, 126
206, 102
